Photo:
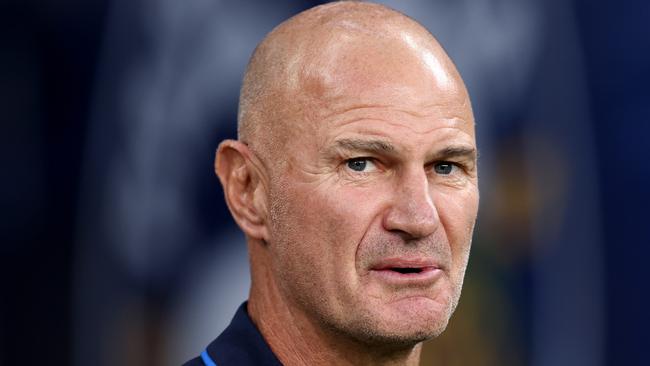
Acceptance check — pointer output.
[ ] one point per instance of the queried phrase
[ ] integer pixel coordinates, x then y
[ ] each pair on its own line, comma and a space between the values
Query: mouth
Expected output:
407, 271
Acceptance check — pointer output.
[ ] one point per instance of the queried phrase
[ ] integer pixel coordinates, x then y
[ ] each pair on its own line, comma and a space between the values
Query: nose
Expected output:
412, 213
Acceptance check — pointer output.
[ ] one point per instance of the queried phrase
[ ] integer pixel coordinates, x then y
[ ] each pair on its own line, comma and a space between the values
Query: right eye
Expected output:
361, 164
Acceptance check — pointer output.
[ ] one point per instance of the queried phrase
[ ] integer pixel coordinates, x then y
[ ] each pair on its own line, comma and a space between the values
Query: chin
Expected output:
406, 323
420, 318
400, 338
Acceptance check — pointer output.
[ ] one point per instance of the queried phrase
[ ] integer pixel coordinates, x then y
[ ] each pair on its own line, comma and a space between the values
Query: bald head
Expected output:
327, 51
357, 156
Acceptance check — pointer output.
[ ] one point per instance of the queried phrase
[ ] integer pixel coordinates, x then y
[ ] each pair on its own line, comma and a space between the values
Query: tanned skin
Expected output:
354, 179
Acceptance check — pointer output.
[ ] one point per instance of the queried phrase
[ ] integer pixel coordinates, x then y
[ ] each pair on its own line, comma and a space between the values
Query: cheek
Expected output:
316, 231
457, 211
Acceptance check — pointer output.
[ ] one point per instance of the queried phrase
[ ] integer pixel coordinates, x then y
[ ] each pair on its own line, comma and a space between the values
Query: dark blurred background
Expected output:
117, 248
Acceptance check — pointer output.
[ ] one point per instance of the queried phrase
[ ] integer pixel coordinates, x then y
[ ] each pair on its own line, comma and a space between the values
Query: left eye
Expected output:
360, 164
443, 168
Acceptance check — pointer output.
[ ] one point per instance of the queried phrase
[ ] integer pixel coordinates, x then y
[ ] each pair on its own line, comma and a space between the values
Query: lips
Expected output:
407, 270
405, 265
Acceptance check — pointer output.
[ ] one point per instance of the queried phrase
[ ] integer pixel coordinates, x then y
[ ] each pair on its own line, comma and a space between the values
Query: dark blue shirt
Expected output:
240, 344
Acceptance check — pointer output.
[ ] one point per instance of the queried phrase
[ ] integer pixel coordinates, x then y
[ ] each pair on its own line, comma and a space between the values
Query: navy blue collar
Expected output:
240, 344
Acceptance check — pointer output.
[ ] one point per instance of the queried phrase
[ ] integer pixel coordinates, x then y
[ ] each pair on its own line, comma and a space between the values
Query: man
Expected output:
355, 181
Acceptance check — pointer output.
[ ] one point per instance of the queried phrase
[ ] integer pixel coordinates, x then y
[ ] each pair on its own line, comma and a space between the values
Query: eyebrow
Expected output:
456, 152
375, 146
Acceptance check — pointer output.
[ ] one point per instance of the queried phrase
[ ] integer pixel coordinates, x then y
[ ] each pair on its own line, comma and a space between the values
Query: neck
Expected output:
296, 339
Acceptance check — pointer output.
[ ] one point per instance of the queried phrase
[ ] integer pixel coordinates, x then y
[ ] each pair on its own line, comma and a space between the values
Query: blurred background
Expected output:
117, 247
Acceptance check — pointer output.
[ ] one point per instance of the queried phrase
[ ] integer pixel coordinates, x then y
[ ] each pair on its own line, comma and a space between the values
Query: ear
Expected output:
243, 187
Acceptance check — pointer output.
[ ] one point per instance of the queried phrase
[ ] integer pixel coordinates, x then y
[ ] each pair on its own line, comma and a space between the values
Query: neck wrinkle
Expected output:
294, 339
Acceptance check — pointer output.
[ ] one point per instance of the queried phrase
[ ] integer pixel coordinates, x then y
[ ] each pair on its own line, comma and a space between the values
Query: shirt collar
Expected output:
241, 343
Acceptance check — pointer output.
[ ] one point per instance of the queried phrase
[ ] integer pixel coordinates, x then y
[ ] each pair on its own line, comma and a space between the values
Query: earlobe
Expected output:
243, 188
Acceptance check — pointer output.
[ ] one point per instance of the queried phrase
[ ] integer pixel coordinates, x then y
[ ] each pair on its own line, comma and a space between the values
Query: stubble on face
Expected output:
327, 235
316, 274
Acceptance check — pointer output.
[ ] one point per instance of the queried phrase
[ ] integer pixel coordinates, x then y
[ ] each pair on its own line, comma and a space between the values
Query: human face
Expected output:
372, 214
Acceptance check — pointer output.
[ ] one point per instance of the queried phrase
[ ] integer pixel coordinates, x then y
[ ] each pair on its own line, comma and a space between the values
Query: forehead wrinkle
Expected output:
455, 123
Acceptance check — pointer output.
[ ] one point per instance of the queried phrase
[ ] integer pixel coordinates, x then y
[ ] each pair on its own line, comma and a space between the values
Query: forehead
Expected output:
411, 134
365, 83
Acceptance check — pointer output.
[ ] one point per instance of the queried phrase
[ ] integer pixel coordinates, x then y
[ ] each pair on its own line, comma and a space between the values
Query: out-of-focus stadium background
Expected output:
117, 248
